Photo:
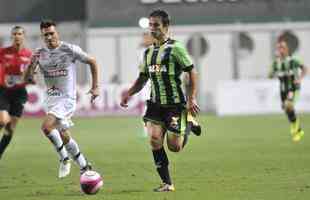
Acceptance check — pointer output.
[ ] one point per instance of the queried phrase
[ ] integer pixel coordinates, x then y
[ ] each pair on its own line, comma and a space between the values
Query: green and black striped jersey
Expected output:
287, 70
163, 65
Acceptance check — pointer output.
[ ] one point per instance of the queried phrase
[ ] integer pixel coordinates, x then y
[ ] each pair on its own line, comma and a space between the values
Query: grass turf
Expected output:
236, 158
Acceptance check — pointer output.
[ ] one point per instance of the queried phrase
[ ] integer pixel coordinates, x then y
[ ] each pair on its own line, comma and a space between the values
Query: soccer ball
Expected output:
91, 182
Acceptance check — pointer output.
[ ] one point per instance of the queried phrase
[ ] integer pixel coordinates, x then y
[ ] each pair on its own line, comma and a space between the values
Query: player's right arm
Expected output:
1, 68
272, 70
135, 88
28, 75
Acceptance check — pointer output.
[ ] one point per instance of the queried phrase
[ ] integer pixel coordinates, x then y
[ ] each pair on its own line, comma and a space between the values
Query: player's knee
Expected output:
2, 124
174, 142
156, 142
288, 106
9, 129
65, 137
175, 147
46, 128
4, 120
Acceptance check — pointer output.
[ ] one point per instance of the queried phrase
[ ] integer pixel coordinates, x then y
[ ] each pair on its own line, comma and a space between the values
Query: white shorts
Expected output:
63, 109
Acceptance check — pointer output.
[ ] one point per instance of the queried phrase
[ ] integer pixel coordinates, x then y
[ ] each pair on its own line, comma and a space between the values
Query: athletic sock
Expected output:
5, 141
74, 151
55, 138
291, 116
161, 162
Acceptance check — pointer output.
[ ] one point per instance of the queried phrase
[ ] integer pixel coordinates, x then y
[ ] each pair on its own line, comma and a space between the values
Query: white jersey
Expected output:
58, 67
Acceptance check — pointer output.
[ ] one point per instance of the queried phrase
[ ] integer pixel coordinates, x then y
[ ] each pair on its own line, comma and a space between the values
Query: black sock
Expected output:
291, 116
161, 162
6, 139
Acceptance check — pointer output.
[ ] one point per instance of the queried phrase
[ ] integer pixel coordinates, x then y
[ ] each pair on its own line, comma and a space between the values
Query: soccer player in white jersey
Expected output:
56, 62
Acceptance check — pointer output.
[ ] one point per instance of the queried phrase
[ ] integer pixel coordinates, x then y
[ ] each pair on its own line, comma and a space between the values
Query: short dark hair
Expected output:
46, 24
18, 27
162, 14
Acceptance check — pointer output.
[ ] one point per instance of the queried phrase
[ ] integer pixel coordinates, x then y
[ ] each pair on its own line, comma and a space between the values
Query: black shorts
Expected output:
13, 100
285, 97
172, 117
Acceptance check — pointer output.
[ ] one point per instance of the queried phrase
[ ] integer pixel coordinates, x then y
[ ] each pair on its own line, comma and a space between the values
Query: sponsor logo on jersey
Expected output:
12, 80
174, 122
157, 68
55, 73
53, 91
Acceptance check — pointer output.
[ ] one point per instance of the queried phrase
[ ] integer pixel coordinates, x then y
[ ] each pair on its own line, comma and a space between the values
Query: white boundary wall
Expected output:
247, 97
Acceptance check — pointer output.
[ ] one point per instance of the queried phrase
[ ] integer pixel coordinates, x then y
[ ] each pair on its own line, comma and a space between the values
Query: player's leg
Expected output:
74, 151
178, 128
6, 138
49, 128
157, 133
289, 107
12, 106
155, 128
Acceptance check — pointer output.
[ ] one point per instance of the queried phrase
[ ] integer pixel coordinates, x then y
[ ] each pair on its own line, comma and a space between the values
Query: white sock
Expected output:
55, 138
74, 151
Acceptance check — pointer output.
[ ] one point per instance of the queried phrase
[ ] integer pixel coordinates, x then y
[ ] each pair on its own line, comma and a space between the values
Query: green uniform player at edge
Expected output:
290, 71
169, 113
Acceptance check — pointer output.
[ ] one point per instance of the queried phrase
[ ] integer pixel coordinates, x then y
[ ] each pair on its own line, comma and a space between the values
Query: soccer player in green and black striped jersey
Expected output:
168, 108
290, 71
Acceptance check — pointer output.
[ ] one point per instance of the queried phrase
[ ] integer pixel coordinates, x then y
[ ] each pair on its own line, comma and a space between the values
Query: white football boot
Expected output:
64, 168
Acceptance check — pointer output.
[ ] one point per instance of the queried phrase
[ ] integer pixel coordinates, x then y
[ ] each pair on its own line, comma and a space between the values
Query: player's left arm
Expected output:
84, 57
192, 93
303, 72
183, 58
94, 68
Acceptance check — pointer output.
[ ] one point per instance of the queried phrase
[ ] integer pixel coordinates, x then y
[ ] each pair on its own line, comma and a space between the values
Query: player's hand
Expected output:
192, 106
124, 99
94, 93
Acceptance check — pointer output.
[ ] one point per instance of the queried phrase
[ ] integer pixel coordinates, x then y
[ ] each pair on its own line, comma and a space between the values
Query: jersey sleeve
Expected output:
1, 68
272, 69
182, 57
79, 54
1, 55
142, 63
298, 62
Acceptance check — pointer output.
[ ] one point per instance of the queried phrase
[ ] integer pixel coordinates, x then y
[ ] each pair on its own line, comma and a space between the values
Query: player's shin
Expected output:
55, 138
161, 162
74, 151
291, 115
5, 141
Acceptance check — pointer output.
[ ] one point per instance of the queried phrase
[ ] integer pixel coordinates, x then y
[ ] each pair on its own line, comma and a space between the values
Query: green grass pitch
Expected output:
236, 158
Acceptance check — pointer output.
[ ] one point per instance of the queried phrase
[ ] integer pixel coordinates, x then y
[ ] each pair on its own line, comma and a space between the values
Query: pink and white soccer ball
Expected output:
91, 182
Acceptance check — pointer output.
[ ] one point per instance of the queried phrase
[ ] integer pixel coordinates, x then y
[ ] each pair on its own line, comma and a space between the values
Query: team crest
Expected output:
174, 122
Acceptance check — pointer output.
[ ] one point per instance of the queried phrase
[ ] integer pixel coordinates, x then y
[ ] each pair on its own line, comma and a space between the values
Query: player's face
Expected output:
50, 36
18, 36
157, 29
282, 49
